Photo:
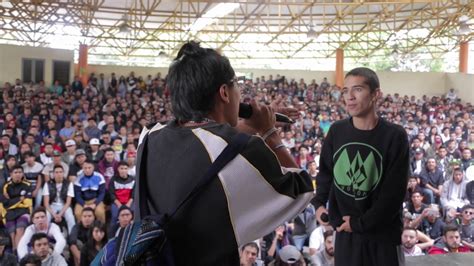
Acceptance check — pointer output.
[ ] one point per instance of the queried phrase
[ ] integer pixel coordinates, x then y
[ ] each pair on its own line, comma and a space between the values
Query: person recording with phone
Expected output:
255, 192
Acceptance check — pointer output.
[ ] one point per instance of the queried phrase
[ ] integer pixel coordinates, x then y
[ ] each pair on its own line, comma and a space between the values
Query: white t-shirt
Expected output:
70, 192
416, 251
316, 240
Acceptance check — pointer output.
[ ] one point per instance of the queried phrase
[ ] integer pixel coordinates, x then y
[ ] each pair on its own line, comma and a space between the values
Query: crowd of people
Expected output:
68, 166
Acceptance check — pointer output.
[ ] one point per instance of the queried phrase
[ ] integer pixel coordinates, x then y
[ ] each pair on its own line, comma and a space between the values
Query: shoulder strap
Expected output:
237, 145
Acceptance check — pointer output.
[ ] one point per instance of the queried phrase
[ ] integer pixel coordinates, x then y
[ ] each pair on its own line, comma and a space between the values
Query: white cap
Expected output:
290, 254
70, 142
94, 141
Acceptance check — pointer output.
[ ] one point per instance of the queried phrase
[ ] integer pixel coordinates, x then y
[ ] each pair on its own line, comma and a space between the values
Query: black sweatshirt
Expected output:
364, 174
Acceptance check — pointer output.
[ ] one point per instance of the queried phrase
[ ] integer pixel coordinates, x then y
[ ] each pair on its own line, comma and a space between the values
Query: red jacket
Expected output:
435, 250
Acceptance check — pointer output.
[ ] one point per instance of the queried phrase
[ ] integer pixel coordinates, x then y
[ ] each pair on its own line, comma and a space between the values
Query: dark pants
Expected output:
357, 250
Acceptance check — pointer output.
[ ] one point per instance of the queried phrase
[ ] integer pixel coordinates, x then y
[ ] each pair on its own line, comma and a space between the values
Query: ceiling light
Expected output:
464, 29
312, 34
124, 27
6, 4
211, 16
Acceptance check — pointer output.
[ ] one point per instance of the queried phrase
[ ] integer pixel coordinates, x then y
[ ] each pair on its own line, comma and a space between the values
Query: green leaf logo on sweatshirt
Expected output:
357, 169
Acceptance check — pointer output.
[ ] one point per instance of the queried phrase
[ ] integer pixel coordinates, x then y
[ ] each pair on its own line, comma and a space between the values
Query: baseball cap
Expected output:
94, 141
290, 254
70, 142
419, 150
56, 153
80, 152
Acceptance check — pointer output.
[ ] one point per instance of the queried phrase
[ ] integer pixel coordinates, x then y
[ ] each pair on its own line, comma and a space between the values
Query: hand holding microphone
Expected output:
246, 111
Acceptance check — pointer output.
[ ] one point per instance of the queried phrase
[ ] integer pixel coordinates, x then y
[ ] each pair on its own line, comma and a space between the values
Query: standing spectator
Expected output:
56, 88
121, 189
17, 204
40, 244
431, 181
363, 177
41, 225
96, 239
89, 191
77, 86
451, 95
58, 194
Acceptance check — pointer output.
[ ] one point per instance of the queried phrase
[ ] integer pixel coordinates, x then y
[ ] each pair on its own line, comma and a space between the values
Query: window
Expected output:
33, 70
61, 71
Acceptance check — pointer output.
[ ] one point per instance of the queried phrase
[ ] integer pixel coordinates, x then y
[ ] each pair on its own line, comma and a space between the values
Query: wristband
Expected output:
269, 132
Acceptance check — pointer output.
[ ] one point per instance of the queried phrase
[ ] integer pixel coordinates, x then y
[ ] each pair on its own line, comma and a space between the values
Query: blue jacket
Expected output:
89, 187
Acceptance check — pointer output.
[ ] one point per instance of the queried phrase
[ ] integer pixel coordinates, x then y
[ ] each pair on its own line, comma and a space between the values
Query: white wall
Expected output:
407, 83
413, 83
463, 85
11, 61
125, 70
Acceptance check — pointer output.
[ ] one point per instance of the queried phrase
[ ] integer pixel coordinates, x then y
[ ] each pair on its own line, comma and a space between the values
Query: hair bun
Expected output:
191, 49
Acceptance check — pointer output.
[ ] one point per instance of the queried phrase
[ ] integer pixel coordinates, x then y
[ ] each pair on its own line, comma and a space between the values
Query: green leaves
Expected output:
361, 175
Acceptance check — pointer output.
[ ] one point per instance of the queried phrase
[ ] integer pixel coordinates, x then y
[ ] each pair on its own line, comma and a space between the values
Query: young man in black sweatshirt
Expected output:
363, 174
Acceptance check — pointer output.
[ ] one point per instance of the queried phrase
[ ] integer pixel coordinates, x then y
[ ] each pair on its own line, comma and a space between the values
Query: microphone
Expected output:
245, 111
324, 217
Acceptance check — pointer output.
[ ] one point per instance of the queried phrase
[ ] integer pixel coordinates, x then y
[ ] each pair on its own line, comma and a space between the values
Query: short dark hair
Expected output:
408, 228
370, 76
36, 237
328, 233
122, 163
30, 259
58, 166
15, 167
108, 150
38, 209
449, 228
88, 209
28, 153
467, 206
194, 79
251, 244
